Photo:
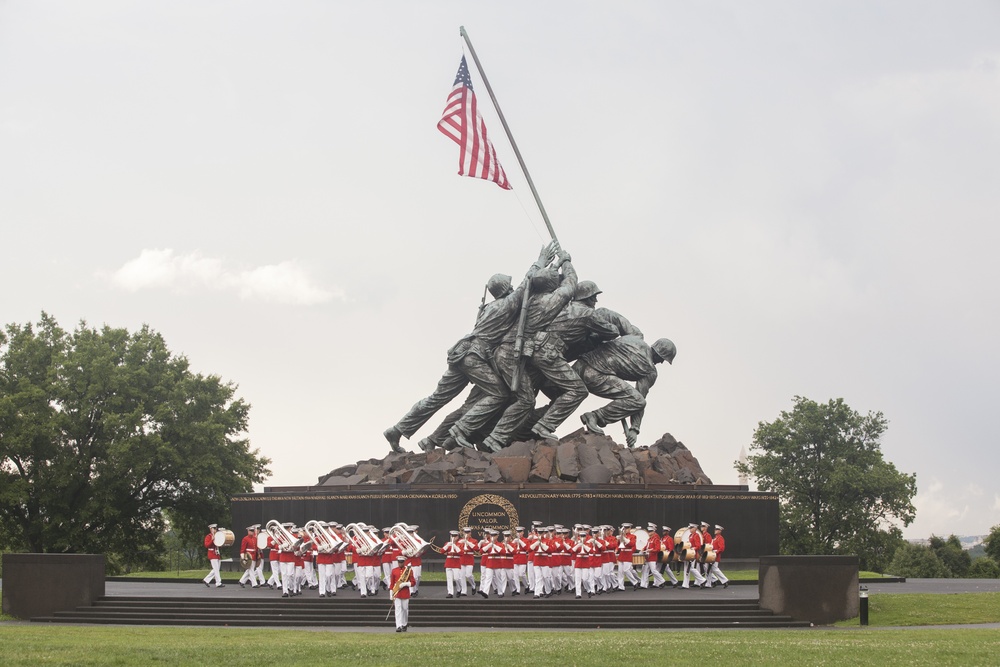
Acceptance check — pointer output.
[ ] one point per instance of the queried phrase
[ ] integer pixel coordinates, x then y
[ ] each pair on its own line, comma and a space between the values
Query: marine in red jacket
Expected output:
213, 557
401, 598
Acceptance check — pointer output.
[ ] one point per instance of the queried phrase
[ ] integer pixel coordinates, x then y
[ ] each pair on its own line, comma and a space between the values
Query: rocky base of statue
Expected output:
580, 457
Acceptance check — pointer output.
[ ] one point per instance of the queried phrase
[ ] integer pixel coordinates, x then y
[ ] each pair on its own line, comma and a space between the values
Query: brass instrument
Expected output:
411, 544
326, 540
404, 577
364, 543
282, 536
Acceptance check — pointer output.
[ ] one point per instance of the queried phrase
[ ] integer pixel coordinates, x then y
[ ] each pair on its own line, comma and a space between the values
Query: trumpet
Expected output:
411, 544
281, 535
326, 541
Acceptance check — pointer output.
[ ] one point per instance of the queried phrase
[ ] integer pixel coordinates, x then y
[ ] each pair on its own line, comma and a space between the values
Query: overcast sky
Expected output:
803, 196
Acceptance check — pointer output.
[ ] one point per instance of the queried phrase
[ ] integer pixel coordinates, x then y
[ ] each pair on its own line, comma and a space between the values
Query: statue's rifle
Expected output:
519, 339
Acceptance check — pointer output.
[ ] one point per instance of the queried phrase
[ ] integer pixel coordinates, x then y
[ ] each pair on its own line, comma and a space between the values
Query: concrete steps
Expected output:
350, 611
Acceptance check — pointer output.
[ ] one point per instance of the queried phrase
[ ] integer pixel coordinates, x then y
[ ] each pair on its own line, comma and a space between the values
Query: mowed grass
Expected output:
899, 609
67, 645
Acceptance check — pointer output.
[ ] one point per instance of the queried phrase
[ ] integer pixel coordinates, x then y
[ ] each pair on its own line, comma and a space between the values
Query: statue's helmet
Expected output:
586, 289
545, 280
665, 349
499, 285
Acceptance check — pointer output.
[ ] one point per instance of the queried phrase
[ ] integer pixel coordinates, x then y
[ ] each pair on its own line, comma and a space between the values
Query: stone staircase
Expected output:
558, 612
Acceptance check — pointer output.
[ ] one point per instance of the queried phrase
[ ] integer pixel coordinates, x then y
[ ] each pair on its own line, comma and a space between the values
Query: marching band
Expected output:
547, 560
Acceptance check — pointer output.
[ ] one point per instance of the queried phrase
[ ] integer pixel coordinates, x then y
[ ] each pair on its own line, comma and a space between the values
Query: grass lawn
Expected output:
67, 645
894, 609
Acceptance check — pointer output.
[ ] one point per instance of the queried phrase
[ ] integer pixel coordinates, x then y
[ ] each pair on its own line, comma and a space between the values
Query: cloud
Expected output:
285, 282
943, 510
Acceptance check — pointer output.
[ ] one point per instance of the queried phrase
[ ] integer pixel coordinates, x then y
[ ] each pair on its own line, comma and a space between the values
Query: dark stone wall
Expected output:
750, 519
39, 584
819, 589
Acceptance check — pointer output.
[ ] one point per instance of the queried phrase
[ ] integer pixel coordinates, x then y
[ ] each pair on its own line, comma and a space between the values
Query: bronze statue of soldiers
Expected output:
551, 292
608, 371
469, 359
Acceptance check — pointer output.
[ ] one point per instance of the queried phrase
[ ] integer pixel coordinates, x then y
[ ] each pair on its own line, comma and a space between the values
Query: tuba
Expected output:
363, 542
282, 537
411, 544
326, 541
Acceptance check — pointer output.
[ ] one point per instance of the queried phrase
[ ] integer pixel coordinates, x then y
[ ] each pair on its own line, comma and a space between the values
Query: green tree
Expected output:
838, 495
955, 559
916, 561
992, 544
101, 431
984, 568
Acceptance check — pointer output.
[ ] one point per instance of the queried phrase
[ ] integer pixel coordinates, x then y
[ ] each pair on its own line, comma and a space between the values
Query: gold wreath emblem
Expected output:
488, 499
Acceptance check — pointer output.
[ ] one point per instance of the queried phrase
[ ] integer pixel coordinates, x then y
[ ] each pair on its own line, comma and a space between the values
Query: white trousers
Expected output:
625, 570
716, 574
214, 572
692, 569
402, 609
275, 579
651, 568
327, 580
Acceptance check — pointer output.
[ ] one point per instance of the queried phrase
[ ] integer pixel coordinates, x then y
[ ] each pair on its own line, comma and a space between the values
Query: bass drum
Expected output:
641, 539
224, 538
262, 541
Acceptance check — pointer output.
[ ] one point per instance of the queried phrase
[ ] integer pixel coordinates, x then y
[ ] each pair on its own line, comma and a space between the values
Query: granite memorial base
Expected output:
818, 589
39, 584
750, 518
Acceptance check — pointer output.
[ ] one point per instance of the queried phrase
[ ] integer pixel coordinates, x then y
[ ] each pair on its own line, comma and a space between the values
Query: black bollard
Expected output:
864, 605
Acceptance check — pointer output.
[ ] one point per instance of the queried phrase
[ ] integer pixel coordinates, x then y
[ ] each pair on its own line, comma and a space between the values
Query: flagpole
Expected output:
510, 137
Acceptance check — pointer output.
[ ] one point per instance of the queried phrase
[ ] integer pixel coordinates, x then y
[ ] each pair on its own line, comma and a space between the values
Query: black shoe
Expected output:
415, 594
449, 596
242, 585
399, 629
405, 628
284, 595
589, 595
486, 596
675, 584
207, 585
725, 585
579, 597
322, 595
221, 586
463, 595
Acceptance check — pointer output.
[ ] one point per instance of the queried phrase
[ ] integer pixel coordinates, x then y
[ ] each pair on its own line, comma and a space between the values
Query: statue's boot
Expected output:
393, 434
492, 444
463, 441
543, 433
589, 420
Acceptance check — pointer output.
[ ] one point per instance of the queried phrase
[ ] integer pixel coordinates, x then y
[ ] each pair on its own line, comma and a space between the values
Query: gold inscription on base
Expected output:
488, 511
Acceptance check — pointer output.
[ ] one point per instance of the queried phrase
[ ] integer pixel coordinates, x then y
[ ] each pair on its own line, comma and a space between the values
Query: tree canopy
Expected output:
838, 495
101, 431
992, 544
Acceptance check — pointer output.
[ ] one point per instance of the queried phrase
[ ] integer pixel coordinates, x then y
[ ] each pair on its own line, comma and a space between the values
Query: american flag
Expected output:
462, 123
